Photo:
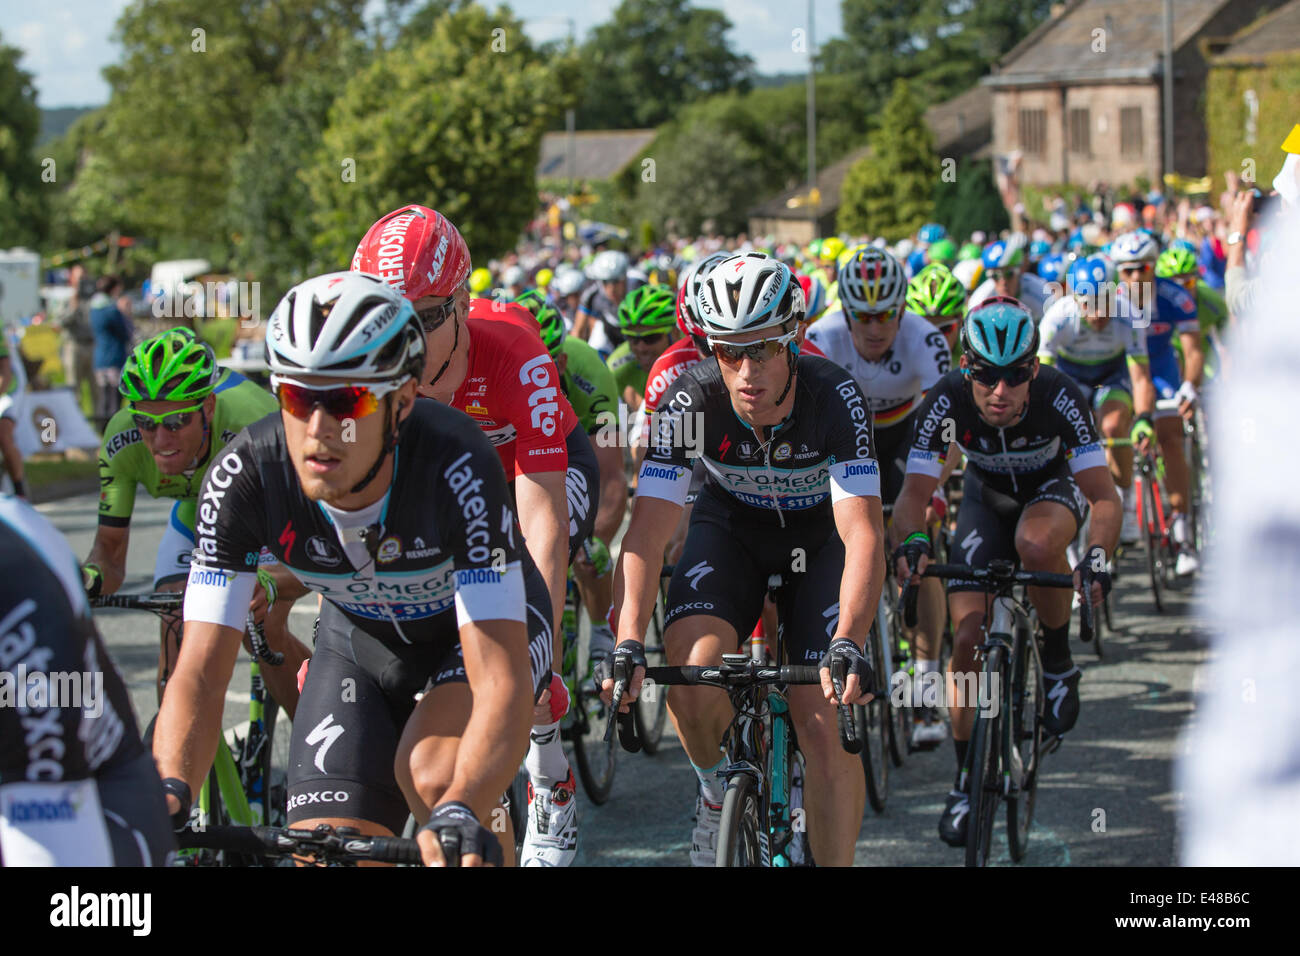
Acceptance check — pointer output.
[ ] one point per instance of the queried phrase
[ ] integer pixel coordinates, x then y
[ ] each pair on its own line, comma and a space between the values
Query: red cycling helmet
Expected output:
416, 250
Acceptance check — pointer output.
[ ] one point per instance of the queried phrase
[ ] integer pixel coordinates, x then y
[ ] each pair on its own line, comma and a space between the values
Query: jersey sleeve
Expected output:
117, 476
926, 456
936, 358
854, 472
666, 469
486, 553
223, 574
1053, 332
1180, 307
1083, 448
535, 406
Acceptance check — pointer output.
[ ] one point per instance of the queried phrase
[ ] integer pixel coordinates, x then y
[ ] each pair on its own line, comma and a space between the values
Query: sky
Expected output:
66, 43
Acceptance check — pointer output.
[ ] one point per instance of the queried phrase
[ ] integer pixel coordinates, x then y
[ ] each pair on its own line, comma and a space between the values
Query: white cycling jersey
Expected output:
1065, 334
894, 385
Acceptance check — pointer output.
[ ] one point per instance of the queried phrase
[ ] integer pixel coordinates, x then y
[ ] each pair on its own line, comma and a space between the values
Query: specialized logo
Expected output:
970, 544
543, 400
832, 615
575, 485
723, 447
323, 552
1057, 696
324, 733
697, 573
390, 549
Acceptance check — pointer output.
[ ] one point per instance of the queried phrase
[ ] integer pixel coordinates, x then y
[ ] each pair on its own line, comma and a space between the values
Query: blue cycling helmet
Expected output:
932, 232
1003, 254
1039, 248
1086, 276
1000, 331
1052, 266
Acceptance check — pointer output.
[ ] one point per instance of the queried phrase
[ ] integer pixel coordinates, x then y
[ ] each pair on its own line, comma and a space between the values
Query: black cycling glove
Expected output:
912, 549
843, 658
460, 834
1092, 567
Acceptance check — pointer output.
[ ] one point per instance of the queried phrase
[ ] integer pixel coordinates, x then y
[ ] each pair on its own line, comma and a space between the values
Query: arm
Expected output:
543, 506
909, 506
496, 736
1144, 390
6, 373
582, 323
641, 558
1098, 487
1193, 357
108, 553
613, 491
185, 734
860, 525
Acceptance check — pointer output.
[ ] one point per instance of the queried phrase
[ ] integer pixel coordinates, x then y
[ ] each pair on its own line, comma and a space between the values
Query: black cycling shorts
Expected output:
359, 693
724, 570
987, 520
135, 812
892, 446
582, 485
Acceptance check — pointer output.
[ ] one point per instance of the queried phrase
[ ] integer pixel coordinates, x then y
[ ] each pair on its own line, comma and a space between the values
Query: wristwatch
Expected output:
1234, 238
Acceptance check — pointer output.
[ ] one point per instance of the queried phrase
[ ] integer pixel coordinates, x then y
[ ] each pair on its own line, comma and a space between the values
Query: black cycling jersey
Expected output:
821, 453
76, 784
1055, 435
443, 547
594, 301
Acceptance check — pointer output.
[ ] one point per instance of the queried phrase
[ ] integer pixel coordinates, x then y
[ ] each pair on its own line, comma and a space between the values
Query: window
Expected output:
1080, 130
1130, 132
1033, 132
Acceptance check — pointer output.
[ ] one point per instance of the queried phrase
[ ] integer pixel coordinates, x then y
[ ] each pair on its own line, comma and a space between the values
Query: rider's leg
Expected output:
1045, 528
13, 459
700, 714
1116, 419
1169, 433
834, 791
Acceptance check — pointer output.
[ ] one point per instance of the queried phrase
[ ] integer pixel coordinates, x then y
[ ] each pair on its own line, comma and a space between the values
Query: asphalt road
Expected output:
1106, 798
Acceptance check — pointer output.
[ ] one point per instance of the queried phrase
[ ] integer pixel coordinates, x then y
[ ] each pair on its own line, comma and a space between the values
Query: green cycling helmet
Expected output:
648, 310
936, 293
173, 366
548, 318
971, 250
944, 251
1176, 261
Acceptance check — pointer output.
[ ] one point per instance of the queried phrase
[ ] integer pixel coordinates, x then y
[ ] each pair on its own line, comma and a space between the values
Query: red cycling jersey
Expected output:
512, 392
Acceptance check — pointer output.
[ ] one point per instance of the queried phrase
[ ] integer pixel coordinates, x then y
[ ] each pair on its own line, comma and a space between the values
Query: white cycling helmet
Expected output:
871, 280
1134, 247
347, 325
748, 292
567, 282
513, 276
609, 266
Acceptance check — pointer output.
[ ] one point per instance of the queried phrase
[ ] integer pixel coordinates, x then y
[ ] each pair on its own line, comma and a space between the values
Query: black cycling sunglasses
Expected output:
432, 318
990, 375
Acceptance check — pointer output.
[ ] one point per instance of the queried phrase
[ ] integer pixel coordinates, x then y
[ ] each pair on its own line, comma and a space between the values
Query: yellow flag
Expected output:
1292, 143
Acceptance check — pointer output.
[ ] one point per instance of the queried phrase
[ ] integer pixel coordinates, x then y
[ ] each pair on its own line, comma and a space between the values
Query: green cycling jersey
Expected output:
627, 370
125, 460
587, 383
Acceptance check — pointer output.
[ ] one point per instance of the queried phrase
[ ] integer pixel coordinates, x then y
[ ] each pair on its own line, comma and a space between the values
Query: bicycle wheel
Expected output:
873, 724
985, 778
901, 714
740, 832
1154, 543
651, 712
1026, 737
592, 753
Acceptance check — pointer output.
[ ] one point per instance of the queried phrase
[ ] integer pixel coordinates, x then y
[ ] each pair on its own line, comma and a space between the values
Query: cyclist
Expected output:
1179, 264
486, 358
596, 320
565, 290
936, 294
647, 319
1004, 275
894, 356
589, 386
1090, 335
814, 294
77, 787
397, 513
13, 459
787, 445
180, 413
1165, 308
1033, 467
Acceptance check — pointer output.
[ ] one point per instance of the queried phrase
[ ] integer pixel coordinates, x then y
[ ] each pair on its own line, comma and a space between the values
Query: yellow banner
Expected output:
1185, 184
1292, 143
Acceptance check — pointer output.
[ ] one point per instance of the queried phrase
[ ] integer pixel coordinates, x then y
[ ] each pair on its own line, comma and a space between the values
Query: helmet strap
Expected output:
790, 356
450, 355
207, 442
390, 442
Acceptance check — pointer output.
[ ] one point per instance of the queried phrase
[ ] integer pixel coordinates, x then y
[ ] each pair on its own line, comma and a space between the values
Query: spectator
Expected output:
78, 337
13, 461
112, 336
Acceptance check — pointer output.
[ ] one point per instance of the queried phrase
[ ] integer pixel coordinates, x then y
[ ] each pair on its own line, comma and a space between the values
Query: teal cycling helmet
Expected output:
1000, 331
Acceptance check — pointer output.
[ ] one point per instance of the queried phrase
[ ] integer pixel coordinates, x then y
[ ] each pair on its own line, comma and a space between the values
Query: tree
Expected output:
22, 194
971, 201
453, 122
890, 193
183, 95
651, 58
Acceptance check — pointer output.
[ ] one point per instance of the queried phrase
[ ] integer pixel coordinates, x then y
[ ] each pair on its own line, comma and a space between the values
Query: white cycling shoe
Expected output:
552, 835
1129, 531
704, 838
1187, 563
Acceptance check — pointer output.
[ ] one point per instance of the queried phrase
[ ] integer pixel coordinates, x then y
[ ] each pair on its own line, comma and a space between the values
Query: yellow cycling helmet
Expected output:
544, 277
832, 249
480, 280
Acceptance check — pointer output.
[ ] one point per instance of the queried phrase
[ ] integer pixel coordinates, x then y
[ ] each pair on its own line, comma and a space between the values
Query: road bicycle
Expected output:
762, 817
244, 787
1007, 743
322, 846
